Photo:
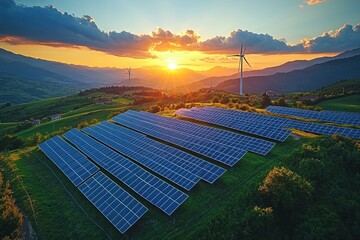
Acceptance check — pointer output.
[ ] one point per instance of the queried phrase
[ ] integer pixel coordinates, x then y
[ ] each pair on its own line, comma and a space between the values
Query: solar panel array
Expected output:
138, 147
222, 153
76, 167
230, 119
208, 133
161, 194
262, 125
118, 206
145, 155
326, 116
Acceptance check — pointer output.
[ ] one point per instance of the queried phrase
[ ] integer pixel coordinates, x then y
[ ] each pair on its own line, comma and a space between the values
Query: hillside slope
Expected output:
283, 68
15, 89
308, 79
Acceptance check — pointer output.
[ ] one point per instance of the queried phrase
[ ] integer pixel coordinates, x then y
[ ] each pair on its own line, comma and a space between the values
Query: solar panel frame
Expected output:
77, 170
158, 192
117, 205
224, 154
199, 167
235, 140
326, 116
145, 154
240, 117
251, 127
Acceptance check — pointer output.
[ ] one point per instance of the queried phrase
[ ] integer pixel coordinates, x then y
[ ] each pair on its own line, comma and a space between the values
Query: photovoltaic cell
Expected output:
118, 206
147, 155
156, 191
234, 119
211, 134
132, 143
245, 124
325, 116
221, 153
70, 161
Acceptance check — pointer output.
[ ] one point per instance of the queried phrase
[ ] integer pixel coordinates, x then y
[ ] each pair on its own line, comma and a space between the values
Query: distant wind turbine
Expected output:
130, 75
240, 69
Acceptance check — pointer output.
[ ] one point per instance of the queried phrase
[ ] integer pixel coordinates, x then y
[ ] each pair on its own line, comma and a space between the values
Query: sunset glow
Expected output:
162, 40
172, 65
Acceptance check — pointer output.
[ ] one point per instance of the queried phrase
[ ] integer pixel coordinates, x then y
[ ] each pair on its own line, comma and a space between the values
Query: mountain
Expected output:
307, 79
15, 89
68, 77
218, 71
283, 68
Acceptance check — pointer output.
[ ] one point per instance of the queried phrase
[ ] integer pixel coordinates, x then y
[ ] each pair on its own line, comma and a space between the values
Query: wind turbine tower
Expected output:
129, 74
240, 68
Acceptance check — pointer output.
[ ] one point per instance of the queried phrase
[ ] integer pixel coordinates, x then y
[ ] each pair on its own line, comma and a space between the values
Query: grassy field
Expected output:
5, 127
348, 104
59, 211
36, 180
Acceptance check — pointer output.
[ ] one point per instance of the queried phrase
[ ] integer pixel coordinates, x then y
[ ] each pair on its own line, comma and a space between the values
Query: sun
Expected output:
172, 65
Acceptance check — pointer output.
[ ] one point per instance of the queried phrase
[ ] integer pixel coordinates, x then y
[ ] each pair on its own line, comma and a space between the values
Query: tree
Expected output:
266, 101
282, 102
224, 99
155, 109
285, 190
215, 99
10, 142
10, 216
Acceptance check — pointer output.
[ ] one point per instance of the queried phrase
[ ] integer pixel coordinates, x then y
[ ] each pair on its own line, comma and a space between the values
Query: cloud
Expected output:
345, 38
255, 43
311, 3
314, 2
49, 26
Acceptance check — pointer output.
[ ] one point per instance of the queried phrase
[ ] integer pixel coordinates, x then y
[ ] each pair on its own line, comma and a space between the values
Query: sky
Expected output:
197, 34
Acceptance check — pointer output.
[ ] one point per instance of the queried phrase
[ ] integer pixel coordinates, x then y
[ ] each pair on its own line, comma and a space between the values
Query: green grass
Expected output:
58, 217
67, 106
348, 104
71, 121
5, 127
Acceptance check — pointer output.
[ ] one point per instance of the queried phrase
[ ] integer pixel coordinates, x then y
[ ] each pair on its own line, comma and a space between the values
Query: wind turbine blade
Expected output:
241, 49
247, 62
239, 65
235, 55
244, 51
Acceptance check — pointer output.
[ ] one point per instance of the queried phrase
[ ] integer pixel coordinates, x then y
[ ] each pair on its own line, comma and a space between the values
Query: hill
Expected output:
232, 206
283, 68
340, 88
74, 77
16, 89
307, 79
348, 103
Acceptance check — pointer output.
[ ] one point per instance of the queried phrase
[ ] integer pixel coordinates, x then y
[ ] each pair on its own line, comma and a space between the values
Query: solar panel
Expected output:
243, 124
211, 134
221, 153
156, 191
146, 155
70, 161
234, 119
118, 206
131, 143
326, 116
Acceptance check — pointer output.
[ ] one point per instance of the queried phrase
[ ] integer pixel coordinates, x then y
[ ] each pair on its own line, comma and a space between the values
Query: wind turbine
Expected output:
240, 69
130, 75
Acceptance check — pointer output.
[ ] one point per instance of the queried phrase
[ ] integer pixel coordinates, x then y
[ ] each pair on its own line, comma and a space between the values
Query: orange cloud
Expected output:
314, 2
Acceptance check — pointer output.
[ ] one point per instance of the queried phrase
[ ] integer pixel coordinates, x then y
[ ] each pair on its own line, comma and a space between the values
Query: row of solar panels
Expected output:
222, 146
261, 125
326, 116
104, 142
118, 206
